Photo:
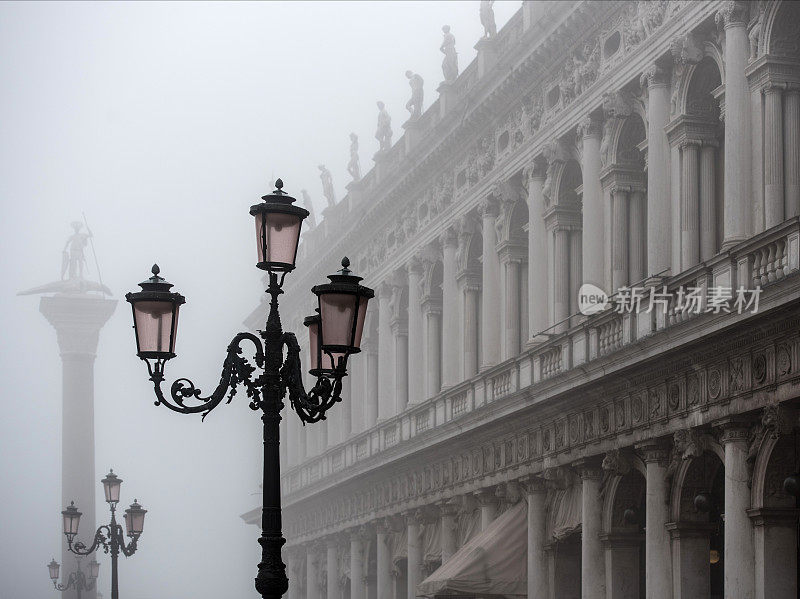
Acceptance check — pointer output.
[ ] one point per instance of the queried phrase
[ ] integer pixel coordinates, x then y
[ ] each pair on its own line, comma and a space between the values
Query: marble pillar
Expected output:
400, 334
773, 155
332, 568
451, 326
490, 313
312, 574
537, 254
416, 389
432, 309
637, 233
386, 400
77, 320
471, 290
739, 548
561, 280
536, 493
447, 512
775, 536
590, 130
658, 571
619, 239
708, 208
357, 567
488, 501
593, 580
384, 561
690, 204
371, 383
291, 569
659, 206
511, 313
734, 15
414, 553
575, 267
791, 139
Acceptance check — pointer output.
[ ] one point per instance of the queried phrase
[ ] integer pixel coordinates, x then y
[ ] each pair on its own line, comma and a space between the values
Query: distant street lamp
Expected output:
109, 536
334, 332
77, 580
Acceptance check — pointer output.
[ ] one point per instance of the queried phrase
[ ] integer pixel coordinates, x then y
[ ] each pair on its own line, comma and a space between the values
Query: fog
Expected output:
163, 123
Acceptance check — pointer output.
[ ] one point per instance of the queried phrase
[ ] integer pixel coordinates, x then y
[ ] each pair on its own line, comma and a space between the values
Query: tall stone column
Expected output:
511, 265
386, 399
708, 209
312, 573
488, 501
590, 130
593, 576
384, 560
791, 121
77, 320
658, 564
432, 309
450, 309
357, 568
637, 232
734, 15
416, 387
400, 333
537, 253
538, 578
619, 239
414, 553
447, 512
773, 155
659, 211
575, 267
490, 312
690, 209
739, 547
471, 289
560, 276
332, 568
291, 570
371, 381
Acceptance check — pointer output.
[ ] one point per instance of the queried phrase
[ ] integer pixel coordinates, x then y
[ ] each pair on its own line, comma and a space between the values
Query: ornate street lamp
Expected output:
77, 580
335, 334
109, 536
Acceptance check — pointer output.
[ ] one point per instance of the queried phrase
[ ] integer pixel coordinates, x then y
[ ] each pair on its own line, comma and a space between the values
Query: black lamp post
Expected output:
77, 580
109, 536
335, 333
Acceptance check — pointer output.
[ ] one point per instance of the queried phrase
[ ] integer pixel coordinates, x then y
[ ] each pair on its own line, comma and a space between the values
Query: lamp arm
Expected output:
100, 540
310, 406
129, 549
71, 582
236, 369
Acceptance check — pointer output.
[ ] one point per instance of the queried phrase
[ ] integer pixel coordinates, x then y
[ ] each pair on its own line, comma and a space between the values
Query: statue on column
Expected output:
73, 259
327, 185
414, 105
384, 131
448, 48
308, 205
354, 166
487, 18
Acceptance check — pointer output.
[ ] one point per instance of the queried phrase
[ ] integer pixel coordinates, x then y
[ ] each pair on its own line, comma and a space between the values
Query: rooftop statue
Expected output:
327, 185
73, 267
354, 167
448, 48
414, 105
487, 18
384, 131
308, 205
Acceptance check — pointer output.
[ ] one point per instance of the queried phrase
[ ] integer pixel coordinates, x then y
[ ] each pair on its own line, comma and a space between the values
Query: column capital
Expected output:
589, 127
655, 76
489, 207
448, 507
485, 496
383, 526
449, 237
734, 429
360, 533
589, 468
384, 290
533, 484
414, 265
535, 169
654, 450
733, 13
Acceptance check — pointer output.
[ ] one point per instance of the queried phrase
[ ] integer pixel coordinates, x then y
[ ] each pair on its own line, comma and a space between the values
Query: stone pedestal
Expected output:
487, 55
447, 97
413, 133
382, 164
78, 320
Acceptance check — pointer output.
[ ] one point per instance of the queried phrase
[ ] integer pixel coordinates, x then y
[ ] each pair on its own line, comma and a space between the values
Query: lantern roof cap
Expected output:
111, 476
71, 509
345, 275
155, 283
278, 195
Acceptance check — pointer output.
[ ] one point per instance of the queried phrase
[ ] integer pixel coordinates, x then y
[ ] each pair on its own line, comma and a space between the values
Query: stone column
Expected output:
590, 130
690, 208
332, 568
619, 239
291, 567
734, 15
593, 579
537, 253
658, 570
447, 512
775, 532
575, 267
450, 313
560, 276
773, 155
432, 309
400, 333
791, 140
414, 553
488, 501
357, 569
536, 493
471, 290
739, 548
490, 311
511, 300
708, 209
637, 231
384, 561
371, 381
77, 320
416, 388
386, 399
659, 211
312, 574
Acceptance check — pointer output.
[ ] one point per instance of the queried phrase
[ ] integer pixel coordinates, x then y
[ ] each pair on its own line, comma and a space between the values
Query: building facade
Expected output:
492, 424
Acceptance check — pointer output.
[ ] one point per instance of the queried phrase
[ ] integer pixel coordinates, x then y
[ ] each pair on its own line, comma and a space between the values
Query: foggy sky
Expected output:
163, 123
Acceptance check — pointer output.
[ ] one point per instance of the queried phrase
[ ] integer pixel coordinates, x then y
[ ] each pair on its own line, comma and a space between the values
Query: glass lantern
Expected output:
134, 519
278, 223
111, 485
53, 567
155, 317
72, 518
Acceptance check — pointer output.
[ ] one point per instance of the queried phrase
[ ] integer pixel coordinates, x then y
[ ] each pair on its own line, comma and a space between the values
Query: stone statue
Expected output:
414, 105
308, 205
73, 259
487, 18
354, 167
448, 48
327, 185
384, 131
